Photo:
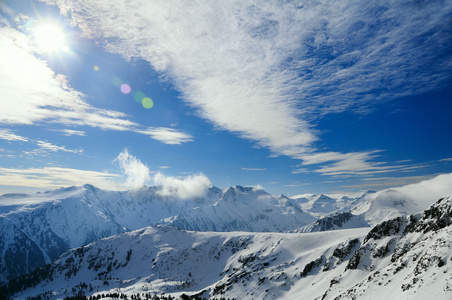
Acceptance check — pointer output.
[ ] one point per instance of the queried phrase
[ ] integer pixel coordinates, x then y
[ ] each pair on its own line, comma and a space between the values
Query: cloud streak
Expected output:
167, 135
268, 70
9, 135
351, 164
254, 169
54, 177
55, 148
71, 132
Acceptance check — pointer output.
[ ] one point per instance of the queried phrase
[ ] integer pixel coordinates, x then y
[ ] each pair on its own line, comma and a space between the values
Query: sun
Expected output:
50, 37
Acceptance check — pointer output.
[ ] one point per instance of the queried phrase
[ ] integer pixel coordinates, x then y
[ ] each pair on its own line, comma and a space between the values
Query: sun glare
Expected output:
50, 37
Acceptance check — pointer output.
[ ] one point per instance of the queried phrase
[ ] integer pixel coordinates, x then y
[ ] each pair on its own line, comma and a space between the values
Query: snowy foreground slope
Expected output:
406, 257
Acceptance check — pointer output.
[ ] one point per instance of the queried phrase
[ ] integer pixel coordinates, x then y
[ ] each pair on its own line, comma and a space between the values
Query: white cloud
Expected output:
254, 169
300, 171
44, 147
259, 187
54, 148
70, 132
54, 177
183, 188
265, 70
352, 164
424, 190
137, 174
435, 188
167, 135
6, 134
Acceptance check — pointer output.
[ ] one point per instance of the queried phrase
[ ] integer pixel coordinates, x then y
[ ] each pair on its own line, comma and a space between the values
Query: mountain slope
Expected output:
345, 220
405, 258
244, 209
394, 202
165, 259
55, 221
402, 258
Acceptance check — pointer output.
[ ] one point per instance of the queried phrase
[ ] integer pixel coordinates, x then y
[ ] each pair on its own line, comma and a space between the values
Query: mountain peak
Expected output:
282, 196
437, 216
88, 186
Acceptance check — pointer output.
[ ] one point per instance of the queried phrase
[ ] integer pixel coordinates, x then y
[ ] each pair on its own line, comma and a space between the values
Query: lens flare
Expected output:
139, 96
96, 68
125, 88
147, 102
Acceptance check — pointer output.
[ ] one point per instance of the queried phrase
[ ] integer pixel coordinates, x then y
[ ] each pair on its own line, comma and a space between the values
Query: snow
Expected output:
62, 219
166, 259
240, 247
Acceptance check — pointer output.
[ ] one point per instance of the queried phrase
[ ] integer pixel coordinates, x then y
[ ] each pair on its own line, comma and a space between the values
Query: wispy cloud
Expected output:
167, 135
54, 148
9, 135
53, 177
46, 97
266, 70
44, 146
300, 171
418, 186
446, 159
353, 164
70, 132
296, 184
254, 169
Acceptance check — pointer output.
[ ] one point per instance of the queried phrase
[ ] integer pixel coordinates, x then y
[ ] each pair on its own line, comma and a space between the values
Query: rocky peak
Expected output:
437, 216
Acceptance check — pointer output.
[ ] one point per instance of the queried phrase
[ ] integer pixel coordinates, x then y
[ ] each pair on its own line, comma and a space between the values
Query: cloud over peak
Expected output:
137, 174
184, 188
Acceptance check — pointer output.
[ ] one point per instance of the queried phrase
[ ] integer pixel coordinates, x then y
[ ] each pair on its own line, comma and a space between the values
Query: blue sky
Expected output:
293, 96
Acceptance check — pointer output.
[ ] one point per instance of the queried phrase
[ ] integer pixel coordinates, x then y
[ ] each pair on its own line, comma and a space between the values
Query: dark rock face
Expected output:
22, 257
436, 217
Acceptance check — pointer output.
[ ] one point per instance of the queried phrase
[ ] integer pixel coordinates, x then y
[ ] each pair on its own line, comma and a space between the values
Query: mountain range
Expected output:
238, 242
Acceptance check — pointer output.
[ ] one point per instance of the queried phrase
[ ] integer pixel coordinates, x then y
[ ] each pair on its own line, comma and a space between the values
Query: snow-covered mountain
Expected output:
390, 203
321, 205
375, 206
344, 220
37, 228
49, 223
403, 258
244, 209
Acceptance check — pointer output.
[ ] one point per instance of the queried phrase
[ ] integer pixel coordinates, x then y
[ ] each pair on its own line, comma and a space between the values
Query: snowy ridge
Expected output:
243, 209
55, 221
35, 229
402, 258
344, 220
390, 203
166, 259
